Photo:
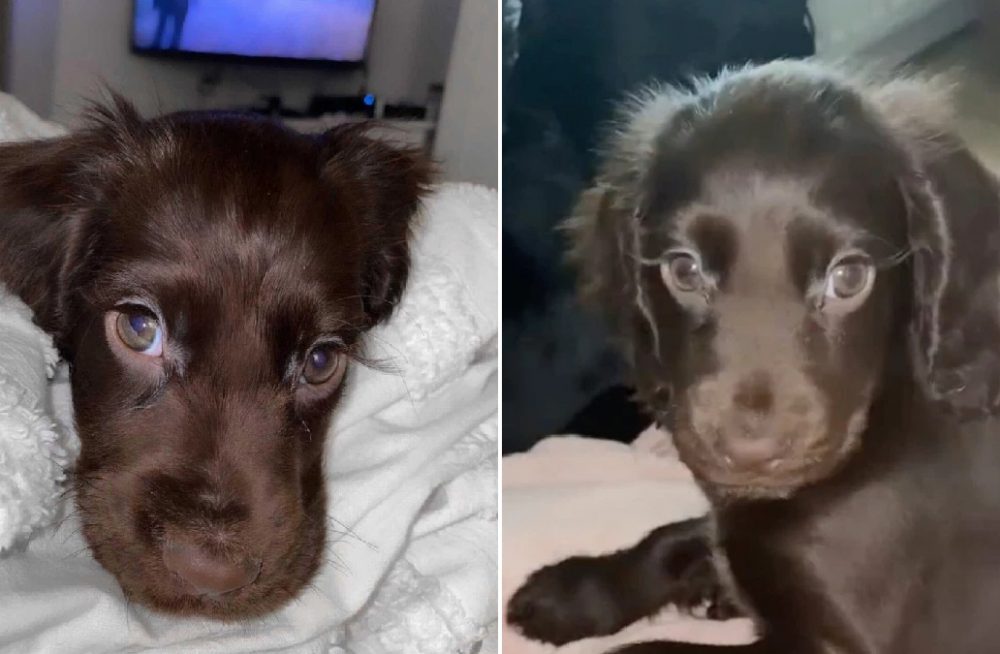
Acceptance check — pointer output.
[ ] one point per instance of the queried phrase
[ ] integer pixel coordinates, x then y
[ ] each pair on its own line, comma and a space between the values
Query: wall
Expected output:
30, 70
887, 31
66, 49
468, 132
4, 23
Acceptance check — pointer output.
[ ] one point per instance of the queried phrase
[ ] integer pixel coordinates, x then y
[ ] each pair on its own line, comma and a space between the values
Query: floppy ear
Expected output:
43, 238
953, 213
602, 251
49, 190
388, 183
605, 241
954, 231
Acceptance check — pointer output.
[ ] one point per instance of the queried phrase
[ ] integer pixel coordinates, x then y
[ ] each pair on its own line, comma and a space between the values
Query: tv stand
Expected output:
410, 133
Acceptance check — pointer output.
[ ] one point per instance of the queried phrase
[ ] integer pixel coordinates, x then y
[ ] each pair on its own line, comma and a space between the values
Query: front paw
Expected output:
567, 601
698, 591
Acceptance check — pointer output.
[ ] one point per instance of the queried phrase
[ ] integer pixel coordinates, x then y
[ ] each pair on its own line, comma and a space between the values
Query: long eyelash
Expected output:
894, 260
140, 303
356, 352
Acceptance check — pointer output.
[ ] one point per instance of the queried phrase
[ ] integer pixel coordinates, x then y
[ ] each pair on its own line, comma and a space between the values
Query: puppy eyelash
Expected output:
894, 260
356, 352
351, 347
139, 303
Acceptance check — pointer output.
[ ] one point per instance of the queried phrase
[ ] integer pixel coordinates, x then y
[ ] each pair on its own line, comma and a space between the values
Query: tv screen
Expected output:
313, 30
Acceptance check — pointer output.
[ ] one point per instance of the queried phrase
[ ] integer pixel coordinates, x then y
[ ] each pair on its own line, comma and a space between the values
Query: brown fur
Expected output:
869, 526
252, 242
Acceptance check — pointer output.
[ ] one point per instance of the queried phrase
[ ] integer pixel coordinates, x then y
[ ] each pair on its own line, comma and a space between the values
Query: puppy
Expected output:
802, 268
210, 279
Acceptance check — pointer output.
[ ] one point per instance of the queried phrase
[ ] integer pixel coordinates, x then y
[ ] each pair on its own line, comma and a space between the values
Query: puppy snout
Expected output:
209, 573
748, 439
755, 393
752, 448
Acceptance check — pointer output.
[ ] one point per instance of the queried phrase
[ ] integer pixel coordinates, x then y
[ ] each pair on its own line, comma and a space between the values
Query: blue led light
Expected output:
369, 100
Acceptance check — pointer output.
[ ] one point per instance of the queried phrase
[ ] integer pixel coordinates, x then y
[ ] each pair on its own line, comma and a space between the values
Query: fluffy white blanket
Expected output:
411, 467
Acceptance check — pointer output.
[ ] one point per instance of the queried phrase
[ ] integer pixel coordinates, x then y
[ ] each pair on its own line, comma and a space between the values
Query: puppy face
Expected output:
217, 290
775, 302
766, 248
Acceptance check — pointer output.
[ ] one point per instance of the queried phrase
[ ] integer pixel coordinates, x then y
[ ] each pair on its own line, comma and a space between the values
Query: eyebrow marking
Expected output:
716, 240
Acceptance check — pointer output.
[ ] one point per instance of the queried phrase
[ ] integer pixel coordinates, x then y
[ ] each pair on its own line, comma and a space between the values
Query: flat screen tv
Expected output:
319, 31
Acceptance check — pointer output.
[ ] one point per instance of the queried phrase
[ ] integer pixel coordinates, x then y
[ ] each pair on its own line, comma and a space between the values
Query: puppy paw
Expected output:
567, 601
699, 592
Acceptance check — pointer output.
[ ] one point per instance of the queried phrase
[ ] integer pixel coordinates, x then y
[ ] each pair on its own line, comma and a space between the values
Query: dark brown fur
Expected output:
252, 242
870, 525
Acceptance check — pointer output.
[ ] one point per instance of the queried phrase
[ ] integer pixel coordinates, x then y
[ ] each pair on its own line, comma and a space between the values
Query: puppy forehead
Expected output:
767, 221
220, 283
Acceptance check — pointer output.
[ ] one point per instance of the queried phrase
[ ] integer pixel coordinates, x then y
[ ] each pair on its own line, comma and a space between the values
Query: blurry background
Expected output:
425, 66
565, 63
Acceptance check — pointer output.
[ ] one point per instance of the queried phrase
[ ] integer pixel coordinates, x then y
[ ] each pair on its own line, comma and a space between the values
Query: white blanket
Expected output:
411, 477
572, 496
32, 455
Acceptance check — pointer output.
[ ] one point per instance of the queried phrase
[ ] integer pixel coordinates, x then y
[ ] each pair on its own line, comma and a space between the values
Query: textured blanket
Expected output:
411, 466
570, 496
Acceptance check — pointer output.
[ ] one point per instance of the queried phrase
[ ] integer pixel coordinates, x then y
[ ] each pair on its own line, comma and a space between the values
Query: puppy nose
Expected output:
207, 573
754, 393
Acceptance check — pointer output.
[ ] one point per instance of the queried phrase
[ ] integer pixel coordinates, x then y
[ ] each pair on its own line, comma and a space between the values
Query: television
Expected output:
331, 32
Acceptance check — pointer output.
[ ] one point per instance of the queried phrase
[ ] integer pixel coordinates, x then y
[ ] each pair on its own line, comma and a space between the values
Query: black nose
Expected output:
208, 573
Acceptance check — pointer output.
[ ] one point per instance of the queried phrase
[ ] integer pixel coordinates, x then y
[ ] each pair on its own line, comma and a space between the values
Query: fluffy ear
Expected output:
953, 217
387, 184
602, 250
43, 238
954, 232
48, 227
604, 234
605, 239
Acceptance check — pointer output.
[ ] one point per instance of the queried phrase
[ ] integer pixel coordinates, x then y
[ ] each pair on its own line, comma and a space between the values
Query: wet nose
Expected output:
207, 573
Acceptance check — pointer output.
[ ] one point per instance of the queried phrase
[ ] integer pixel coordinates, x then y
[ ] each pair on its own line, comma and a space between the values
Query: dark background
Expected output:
566, 63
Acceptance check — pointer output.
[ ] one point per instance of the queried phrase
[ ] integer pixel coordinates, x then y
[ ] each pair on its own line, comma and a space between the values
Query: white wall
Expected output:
64, 50
468, 131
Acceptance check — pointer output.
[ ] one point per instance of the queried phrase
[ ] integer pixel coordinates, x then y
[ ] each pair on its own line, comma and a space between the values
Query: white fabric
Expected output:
411, 467
571, 496
32, 458
17, 122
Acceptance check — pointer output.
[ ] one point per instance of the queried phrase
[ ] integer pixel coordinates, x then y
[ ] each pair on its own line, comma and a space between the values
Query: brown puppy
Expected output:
803, 270
209, 277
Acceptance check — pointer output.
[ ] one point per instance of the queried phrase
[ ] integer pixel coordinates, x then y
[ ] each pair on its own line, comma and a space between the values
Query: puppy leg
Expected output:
588, 596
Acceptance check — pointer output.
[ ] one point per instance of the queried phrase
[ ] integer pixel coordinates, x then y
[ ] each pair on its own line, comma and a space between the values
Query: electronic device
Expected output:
405, 111
329, 32
342, 104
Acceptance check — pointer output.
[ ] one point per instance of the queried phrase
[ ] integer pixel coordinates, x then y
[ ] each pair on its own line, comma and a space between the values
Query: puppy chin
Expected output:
812, 462
148, 585
723, 486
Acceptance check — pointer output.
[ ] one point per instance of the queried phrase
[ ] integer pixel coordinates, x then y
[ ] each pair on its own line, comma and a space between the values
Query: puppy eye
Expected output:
140, 331
682, 272
849, 280
322, 364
